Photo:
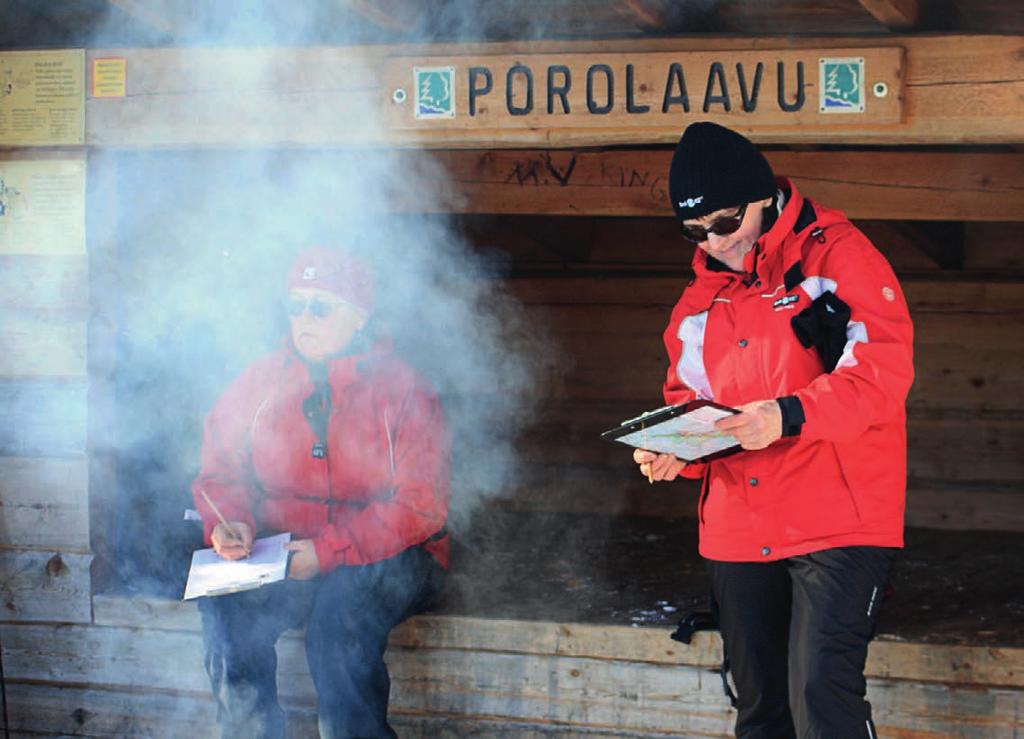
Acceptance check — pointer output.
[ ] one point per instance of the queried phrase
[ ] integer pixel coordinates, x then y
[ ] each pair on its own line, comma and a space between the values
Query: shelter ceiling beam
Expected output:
158, 15
896, 14
646, 15
393, 16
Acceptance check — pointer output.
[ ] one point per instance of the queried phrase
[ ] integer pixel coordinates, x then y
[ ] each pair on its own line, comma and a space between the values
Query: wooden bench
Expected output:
540, 636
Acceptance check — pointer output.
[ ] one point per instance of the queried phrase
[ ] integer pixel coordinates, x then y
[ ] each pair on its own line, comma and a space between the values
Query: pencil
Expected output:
231, 531
650, 465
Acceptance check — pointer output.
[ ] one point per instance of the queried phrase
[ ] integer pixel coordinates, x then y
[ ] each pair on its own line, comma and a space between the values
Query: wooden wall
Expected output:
582, 242
44, 504
602, 288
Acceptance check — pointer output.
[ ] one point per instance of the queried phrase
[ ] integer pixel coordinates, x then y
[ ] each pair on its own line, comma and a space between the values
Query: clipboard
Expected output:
686, 431
211, 574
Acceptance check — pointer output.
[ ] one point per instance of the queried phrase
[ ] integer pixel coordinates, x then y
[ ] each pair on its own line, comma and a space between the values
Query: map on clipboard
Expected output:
211, 574
686, 431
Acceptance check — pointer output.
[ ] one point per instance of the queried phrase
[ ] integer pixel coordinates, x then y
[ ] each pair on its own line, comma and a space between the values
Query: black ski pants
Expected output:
796, 633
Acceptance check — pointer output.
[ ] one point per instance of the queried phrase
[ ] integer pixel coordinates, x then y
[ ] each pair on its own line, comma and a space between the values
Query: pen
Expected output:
650, 465
231, 532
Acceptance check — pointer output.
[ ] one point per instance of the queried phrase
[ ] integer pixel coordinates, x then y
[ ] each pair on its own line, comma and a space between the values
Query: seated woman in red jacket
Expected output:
795, 319
333, 439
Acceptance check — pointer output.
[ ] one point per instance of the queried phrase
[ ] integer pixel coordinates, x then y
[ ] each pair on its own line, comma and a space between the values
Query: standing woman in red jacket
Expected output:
795, 319
336, 440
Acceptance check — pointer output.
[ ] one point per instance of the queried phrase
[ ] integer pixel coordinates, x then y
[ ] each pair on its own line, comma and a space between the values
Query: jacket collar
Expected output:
345, 368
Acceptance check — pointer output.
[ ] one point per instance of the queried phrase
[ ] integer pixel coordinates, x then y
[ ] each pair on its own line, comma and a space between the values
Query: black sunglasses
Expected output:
317, 307
722, 227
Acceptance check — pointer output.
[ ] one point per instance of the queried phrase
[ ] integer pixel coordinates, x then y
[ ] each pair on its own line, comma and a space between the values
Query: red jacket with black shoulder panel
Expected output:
383, 484
841, 480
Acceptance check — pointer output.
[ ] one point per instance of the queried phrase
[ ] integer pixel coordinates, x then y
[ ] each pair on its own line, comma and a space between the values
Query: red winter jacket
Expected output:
841, 479
383, 485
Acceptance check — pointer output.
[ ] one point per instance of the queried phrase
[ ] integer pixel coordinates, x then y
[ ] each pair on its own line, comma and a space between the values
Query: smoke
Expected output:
203, 241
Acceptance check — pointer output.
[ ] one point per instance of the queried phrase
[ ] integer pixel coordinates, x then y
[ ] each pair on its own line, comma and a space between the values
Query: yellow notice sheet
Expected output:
42, 98
42, 206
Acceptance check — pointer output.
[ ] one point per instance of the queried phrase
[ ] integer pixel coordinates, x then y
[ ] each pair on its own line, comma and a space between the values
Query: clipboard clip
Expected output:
645, 414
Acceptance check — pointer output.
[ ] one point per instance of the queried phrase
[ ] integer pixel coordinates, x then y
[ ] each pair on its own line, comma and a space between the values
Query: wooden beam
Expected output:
896, 14
958, 89
157, 15
943, 241
650, 16
887, 185
394, 16
121, 616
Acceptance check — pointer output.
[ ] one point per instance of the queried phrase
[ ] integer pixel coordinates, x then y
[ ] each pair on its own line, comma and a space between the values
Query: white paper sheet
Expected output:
211, 574
689, 436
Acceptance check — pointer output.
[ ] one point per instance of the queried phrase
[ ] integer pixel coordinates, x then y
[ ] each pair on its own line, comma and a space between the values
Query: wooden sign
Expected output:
758, 88
42, 98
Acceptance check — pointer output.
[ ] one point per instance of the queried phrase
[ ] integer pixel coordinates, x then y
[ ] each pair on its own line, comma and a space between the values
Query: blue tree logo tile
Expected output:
435, 92
841, 81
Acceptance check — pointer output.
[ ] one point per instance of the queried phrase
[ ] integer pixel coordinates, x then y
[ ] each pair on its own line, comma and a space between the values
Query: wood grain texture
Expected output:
45, 586
42, 346
46, 419
958, 89
887, 658
456, 670
50, 284
866, 184
44, 503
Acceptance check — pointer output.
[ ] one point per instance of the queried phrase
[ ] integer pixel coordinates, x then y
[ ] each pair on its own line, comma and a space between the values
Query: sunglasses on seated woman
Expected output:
721, 227
317, 307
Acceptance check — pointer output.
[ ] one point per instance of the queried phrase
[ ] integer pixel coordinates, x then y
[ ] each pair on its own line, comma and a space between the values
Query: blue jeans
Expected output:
348, 614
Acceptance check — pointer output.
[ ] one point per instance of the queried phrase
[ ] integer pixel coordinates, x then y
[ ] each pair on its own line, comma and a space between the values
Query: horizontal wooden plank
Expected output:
963, 295
44, 502
899, 711
620, 694
888, 659
616, 487
42, 419
37, 346
632, 247
897, 185
45, 586
57, 284
45, 710
937, 504
993, 246
71, 711
961, 362
987, 454
629, 90
959, 89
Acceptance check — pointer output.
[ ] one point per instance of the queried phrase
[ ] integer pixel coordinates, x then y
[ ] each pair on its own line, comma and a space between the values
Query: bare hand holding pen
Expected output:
232, 540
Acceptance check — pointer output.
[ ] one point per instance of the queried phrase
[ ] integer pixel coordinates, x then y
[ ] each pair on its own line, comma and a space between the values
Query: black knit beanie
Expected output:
715, 168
